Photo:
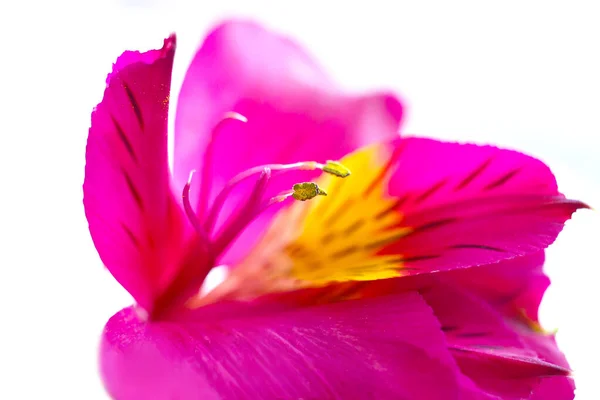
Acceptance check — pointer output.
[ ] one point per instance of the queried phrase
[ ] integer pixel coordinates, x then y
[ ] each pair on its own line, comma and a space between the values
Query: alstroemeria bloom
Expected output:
417, 277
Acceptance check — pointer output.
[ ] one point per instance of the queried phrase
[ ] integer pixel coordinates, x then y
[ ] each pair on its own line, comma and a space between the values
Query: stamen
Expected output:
206, 172
301, 191
332, 167
189, 211
246, 214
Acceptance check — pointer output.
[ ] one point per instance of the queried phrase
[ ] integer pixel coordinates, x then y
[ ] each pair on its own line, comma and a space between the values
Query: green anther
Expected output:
306, 191
336, 168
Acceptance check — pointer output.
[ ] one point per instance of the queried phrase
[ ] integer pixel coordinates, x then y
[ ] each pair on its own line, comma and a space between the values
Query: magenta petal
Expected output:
514, 286
472, 205
544, 344
295, 113
486, 346
469, 321
382, 348
504, 372
127, 199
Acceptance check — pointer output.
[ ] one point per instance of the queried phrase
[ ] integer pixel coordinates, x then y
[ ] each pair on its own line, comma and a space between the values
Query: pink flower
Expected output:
416, 277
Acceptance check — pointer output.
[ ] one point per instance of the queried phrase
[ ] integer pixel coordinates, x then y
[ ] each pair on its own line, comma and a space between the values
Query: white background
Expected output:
522, 74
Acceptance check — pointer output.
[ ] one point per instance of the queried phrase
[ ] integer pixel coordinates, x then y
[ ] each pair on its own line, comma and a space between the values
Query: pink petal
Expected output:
469, 321
295, 113
384, 222
515, 286
487, 348
544, 344
472, 205
504, 372
499, 358
133, 217
381, 348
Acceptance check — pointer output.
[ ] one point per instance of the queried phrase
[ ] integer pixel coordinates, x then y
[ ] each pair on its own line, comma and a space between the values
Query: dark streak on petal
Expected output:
473, 175
401, 201
135, 105
503, 300
350, 290
132, 237
124, 140
383, 242
326, 239
344, 252
408, 269
501, 181
430, 191
345, 206
449, 328
316, 265
433, 224
352, 228
364, 269
398, 260
133, 190
419, 258
394, 206
294, 249
299, 252
471, 334
477, 246
384, 171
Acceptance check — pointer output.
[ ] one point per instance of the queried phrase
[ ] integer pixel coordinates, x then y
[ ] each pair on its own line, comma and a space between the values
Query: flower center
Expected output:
344, 238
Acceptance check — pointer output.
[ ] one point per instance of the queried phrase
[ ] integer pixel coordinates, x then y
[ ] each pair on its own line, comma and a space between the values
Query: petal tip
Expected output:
170, 42
394, 106
129, 57
580, 205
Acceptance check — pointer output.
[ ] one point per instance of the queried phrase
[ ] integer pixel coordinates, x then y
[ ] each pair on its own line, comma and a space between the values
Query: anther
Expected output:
331, 167
336, 168
306, 191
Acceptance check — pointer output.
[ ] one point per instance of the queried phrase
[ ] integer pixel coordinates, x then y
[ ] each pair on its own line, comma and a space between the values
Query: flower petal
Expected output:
515, 289
504, 373
515, 286
498, 356
134, 219
382, 348
294, 111
543, 343
389, 218
487, 348
472, 205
